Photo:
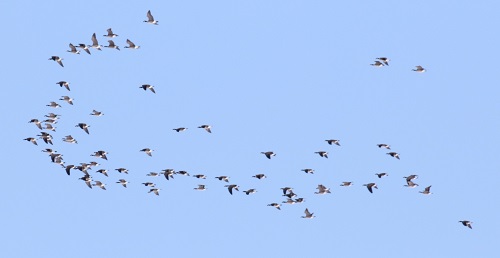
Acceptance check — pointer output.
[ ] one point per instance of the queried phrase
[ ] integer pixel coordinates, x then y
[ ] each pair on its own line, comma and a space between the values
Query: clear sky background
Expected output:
270, 75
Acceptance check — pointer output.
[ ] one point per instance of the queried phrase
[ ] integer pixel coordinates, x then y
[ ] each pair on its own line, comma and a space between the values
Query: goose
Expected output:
231, 187
151, 20
180, 129
300, 200
72, 49
67, 99
68, 169
49, 127
466, 223
54, 156
275, 205
37, 123
148, 151
148, 86
131, 45
380, 175
53, 104
260, 176
370, 186
323, 154
155, 191
95, 44
49, 151
46, 137
123, 182
84, 127
168, 173
410, 184
57, 59
110, 34
411, 177
286, 189
52, 116
64, 83
200, 188
84, 47
223, 178
149, 184
200, 176
31, 139
50, 121
332, 141
322, 190
69, 139
182, 172
153, 174
100, 154
346, 184
427, 190
377, 64
383, 145
112, 45
269, 154
100, 184
206, 127
96, 113
88, 180
290, 194
289, 201
103, 171
308, 215
384, 60
250, 191
122, 170
393, 154
308, 170
419, 69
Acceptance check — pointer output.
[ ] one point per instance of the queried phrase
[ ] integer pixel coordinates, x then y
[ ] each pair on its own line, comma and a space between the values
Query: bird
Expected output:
383, 145
289, 201
377, 64
200, 176
153, 174
112, 45
67, 99
250, 191
299, 200
269, 154
72, 49
286, 189
100, 154
290, 194
380, 175
260, 176
308, 170
346, 184
50, 151
53, 104
110, 34
419, 69
384, 60
466, 223
410, 184
123, 182
131, 45
57, 59
50, 127
95, 44
308, 215
52, 116
64, 83
84, 127
37, 123
231, 187
393, 154
370, 186
68, 169
168, 173
100, 184
322, 190
183, 173
180, 129
96, 113
122, 170
88, 180
151, 20
50, 121
149, 184
223, 178
155, 191
332, 141
84, 47
427, 190
148, 86
103, 171
275, 205
322, 154
148, 151
69, 139
200, 188
54, 156
46, 137
31, 139
206, 127
411, 177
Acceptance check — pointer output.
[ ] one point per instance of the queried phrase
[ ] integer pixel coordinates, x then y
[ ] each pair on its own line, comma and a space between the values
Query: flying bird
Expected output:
151, 20
95, 44
88, 180
155, 191
84, 127
323, 154
103, 171
250, 191
380, 175
84, 47
384, 60
110, 34
377, 64
149, 184
231, 187
64, 83
200, 188
31, 139
53, 104
180, 129
322, 190
68, 169
148, 151
427, 190
96, 113
37, 123
370, 186
69, 139
383, 145
410, 184
148, 86
100, 184
50, 127
67, 99
223, 178
131, 45
308, 215
122, 170
168, 173
346, 184
275, 205
206, 127
100, 154
466, 223
393, 154
269, 154
122, 182
112, 45
57, 59
260, 176
200, 176
72, 49
308, 170
332, 141
419, 69
153, 174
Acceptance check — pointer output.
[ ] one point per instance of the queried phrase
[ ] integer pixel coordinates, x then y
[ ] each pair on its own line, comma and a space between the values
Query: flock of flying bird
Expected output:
291, 197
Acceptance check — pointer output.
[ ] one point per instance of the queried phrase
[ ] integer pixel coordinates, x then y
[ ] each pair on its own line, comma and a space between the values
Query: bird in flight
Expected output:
151, 20
308, 215
466, 223
206, 127
148, 86
131, 45
393, 154
112, 45
57, 59
72, 49
110, 34
95, 44
269, 154
332, 141
370, 186
419, 69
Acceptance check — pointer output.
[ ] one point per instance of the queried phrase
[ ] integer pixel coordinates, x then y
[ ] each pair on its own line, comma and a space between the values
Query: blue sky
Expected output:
278, 76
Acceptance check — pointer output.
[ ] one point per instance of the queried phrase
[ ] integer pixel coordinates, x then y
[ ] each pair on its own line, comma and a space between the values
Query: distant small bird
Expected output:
383, 145
168, 173
419, 69
84, 127
308, 215
51, 121
260, 176
269, 154
151, 20
72, 49
380, 175
200, 188
223, 178
323, 154
410, 177
410, 184
377, 64
289, 201
69, 139
299, 200
46, 137
122, 182
100, 154
231, 187
148, 86
384, 60
31, 139
100, 184
332, 141
131, 45
96, 113
112, 45
50, 151
427, 190
50, 127
122, 170
67, 99
110, 34
103, 171
200, 176
88, 180
346, 184
95, 44
148, 151
250, 191
68, 169
149, 184
53, 104
206, 127
393, 154
155, 191
84, 47
286, 189
290, 194
322, 190
57, 59
182, 173
308, 170
153, 174
37, 123
370, 186
275, 205
180, 129
466, 223
64, 83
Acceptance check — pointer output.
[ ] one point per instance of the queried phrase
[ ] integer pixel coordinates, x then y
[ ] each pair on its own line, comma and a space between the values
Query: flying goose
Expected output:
103, 171
148, 151
64, 83
346, 184
153, 174
37, 123
96, 113
54, 156
123, 182
289, 201
290, 194
383, 145
322, 190
68, 169
149, 184
286, 189
299, 200
100, 154
332, 141
231, 187
122, 170
393, 154
308, 170
100, 184
49, 127
223, 178
182, 172
259, 176
410, 184
151, 19
53, 104
95, 44
200, 176
110, 34
275, 205
418, 69
155, 190
427, 190
410, 177
168, 173
50, 121
52, 116
69, 139
180, 129
269, 154
370, 186
88, 180
308, 215
112, 45
384, 60
466, 223
49, 151
250, 191
84, 127
67, 99
380, 175
206, 127
72, 49
148, 86
323, 154
84, 47
131, 45
200, 188
57, 59
46, 137
31, 139
377, 64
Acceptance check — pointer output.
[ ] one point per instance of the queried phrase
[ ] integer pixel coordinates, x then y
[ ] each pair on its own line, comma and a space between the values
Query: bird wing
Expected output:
94, 40
150, 17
